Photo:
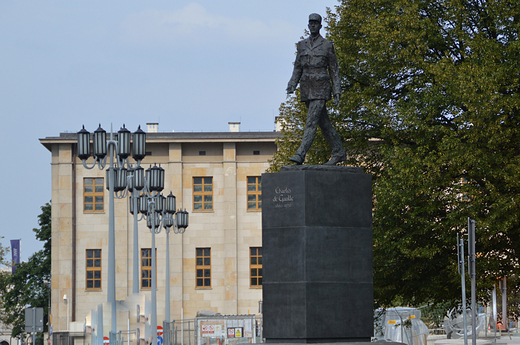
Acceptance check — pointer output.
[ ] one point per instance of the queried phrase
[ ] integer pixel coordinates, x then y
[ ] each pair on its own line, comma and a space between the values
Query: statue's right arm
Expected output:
297, 72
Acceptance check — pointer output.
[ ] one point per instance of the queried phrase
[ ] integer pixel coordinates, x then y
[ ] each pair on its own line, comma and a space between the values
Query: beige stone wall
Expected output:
229, 230
61, 261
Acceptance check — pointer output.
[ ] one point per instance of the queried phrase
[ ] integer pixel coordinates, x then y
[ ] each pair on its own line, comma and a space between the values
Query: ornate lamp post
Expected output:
116, 177
160, 212
136, 183
179, 227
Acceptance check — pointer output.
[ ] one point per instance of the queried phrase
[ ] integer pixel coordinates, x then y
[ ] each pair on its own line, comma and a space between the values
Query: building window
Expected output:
203, 268
256, 266
203, 193
254, 193
93, 268
93, 195
146, 267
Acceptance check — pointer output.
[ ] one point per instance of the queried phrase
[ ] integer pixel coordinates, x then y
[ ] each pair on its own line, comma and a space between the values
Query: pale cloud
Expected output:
194, 22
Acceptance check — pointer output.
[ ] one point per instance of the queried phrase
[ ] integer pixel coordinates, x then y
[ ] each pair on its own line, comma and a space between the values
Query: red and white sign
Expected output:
231, 332
106, 340
159, 331
208, 329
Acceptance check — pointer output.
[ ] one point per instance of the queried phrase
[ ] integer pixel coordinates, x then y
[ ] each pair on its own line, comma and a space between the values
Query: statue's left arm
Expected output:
334, 74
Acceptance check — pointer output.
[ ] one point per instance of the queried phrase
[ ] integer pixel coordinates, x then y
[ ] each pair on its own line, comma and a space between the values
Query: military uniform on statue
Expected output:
315, 68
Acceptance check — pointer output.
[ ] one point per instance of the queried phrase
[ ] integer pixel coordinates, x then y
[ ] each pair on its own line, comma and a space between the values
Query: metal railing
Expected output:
126, 337
179, 332
61, 338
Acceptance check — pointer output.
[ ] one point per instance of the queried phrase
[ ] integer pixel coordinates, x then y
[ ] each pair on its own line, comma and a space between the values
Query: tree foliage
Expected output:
430, 107
29, 285
3, 252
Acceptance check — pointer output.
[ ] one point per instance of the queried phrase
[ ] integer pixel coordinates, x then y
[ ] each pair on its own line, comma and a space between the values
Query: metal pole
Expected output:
473, 275
494, 298
33, 326
167, 292
100, 325
135, 285
504, 304
112, 247
154, 276
253, 323
463, 283
401, 326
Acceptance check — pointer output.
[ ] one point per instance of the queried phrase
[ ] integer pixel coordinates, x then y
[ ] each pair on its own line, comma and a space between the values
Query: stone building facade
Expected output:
215, 265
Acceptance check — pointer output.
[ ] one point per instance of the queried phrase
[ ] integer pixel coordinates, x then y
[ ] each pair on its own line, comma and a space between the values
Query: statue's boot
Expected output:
297, 159
336, 158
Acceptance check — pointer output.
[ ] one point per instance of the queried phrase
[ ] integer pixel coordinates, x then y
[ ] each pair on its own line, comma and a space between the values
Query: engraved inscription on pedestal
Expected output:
283, 197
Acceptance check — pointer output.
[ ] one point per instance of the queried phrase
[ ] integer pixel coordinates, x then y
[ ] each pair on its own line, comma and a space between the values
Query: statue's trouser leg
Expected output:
315, 108
330, 134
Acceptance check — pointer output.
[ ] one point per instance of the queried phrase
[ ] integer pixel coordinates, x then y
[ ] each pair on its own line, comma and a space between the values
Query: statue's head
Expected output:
315, 17
314, 23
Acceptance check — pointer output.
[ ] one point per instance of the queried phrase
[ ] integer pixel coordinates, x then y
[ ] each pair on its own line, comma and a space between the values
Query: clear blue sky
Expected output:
191, 66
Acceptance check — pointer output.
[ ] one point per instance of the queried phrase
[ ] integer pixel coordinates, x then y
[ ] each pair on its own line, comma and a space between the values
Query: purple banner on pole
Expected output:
15, 251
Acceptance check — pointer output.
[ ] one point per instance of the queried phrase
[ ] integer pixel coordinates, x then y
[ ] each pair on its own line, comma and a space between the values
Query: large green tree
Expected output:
430, 107
29, 285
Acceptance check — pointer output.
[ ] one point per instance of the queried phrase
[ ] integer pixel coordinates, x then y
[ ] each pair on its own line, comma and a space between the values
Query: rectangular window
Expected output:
254, 193
203, 268
93, 195
146, 267
255, 264
203, 194
93, 269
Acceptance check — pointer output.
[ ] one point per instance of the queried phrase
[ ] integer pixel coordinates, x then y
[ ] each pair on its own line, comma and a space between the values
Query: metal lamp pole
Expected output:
155, 183
462, 272
116, 175
136, 184
160, 213
473, 275
179, 227
168, 225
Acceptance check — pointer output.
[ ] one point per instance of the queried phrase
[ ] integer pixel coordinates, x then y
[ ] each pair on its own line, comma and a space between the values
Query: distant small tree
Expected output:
3, 253
28, 286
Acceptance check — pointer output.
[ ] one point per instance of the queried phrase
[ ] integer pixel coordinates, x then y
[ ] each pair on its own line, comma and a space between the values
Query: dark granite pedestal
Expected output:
317, 255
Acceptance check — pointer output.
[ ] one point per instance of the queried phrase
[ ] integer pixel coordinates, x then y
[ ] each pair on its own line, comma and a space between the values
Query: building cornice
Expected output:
181, 137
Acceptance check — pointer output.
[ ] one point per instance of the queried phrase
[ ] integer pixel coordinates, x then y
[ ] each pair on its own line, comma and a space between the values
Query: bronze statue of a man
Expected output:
315, 68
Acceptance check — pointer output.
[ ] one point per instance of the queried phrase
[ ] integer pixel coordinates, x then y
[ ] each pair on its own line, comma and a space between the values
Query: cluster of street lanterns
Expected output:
102, 147
146, 199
